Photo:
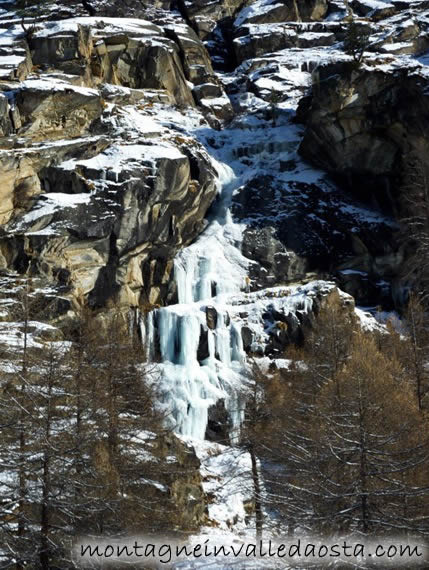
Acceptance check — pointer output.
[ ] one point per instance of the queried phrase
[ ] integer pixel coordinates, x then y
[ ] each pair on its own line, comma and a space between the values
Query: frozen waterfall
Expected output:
206, 272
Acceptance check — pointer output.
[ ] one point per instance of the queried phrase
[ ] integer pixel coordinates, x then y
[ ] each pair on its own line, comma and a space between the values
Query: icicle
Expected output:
149, 336
205, 281
184, 277
237, 350
211, 360
167, 326
189, 340
223, 341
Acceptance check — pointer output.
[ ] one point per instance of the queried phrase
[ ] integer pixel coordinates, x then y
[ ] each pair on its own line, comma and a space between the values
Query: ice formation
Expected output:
206, 273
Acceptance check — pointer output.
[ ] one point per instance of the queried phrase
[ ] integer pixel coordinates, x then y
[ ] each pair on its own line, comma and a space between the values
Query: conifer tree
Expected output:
407, 341
328, 344
252, 438
343, 443
280, 408
78, 443
415, 224
356, 41
415, 353
355, 459
371, 447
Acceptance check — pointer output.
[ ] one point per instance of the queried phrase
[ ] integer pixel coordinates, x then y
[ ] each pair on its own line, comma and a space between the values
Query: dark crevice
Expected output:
179, 5
89, 8
219, 43
106, 286
226, 30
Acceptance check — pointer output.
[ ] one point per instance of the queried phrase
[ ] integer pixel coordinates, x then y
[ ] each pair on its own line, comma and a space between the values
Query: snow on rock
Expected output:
193, 380
200, 366
49, 203
133, 26
12, 334
368, 322
116, 158
54, 85
260, 7
217, 308
136, 124
226, 479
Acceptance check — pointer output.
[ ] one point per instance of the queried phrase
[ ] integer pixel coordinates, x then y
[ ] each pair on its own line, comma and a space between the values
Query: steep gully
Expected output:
212, 276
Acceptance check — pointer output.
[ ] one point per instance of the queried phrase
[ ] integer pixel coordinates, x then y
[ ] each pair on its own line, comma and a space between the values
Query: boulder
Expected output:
219, 424
206, 16
247, 338
212, 317
374, 10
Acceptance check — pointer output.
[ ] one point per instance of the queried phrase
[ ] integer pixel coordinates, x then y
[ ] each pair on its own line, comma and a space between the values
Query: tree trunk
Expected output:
363, 472
22, 492
44, 516
416, 359
22, 440
257, 492
46, 477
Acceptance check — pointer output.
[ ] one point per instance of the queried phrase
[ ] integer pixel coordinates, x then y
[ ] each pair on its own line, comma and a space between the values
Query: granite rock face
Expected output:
366, 127
253, 40
206, 16
283, 11
289, 236
46, 112
133, 53
216, 173
110, 53
140, 203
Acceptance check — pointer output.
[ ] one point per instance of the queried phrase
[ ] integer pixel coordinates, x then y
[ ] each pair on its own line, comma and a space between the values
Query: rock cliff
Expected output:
220, 170
365, 126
